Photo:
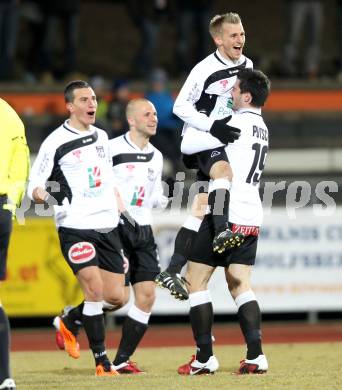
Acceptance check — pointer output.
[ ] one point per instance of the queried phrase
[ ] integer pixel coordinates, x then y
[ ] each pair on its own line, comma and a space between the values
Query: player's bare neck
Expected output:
76, 124
227, 58
138, 139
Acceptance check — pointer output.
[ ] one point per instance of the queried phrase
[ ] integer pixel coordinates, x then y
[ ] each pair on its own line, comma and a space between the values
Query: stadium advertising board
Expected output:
39, 282
299, 266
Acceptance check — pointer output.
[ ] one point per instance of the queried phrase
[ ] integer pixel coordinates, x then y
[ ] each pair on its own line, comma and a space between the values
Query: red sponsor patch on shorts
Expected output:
246, 230
81, 252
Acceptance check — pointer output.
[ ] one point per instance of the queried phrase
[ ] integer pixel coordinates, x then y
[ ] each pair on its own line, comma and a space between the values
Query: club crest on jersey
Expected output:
100, 151
81, 252
215, 153
150, 174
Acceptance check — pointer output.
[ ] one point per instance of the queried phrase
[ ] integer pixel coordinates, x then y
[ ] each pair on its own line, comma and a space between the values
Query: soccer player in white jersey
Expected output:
73, 173
249, 94
204, 104
137, 167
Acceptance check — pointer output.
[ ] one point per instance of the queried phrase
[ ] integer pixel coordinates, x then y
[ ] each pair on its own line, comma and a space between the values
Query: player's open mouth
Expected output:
91, 113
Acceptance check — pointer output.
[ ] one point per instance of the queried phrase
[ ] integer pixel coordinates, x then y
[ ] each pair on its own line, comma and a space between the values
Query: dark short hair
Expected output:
256, 83
69, 89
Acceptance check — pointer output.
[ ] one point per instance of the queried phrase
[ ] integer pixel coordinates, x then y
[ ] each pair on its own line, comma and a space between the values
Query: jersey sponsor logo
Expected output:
138, 196
86, 140
229, 103
81, 252
141, 157
246, 230
215, 153
100, 151
94, 176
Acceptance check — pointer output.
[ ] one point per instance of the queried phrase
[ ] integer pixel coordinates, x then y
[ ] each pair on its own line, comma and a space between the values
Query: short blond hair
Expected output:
133, 104
215, 25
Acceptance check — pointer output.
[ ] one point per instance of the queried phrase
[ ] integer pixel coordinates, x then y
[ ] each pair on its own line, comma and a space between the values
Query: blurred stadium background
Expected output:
299, 271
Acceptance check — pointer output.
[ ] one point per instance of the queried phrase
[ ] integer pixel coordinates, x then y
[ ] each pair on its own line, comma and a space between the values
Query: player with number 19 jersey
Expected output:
247, 156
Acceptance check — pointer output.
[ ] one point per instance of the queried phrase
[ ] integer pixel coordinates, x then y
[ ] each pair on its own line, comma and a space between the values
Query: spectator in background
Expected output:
8, 37
31, 30
339, 39
52, 62
167, 139
101, 90
147, 17
116, 115
302, 14
192, 15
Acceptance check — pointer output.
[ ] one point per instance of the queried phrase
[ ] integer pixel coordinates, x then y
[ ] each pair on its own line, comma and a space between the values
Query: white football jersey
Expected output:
247, 157
137, 175
79, 161
206, 93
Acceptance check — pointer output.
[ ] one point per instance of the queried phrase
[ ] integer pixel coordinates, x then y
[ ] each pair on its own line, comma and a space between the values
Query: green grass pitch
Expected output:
292, 366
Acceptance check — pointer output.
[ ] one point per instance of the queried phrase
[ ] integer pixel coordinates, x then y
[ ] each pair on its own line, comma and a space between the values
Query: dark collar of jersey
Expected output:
132, 158
250, 112
75, 144
223, 74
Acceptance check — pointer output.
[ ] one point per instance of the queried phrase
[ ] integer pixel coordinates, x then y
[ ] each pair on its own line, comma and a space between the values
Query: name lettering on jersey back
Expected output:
260, 133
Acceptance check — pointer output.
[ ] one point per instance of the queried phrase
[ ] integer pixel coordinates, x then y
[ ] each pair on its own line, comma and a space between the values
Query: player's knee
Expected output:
221, 170
145, 306
126, 295
94, 293
199, 205
145, 300
117, 298
234, 284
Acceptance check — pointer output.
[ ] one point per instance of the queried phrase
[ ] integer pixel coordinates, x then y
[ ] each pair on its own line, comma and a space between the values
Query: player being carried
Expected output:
205, 105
